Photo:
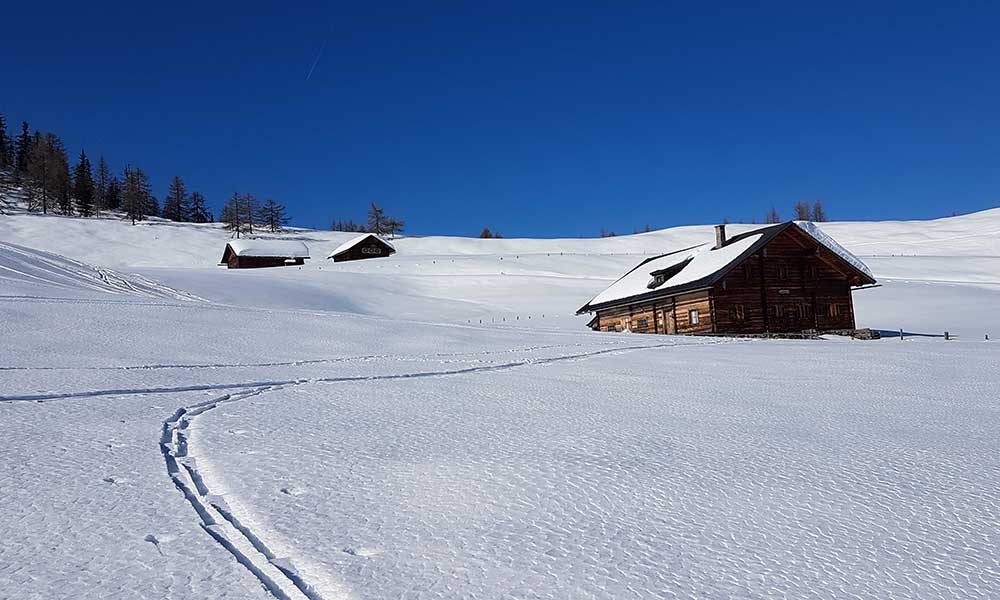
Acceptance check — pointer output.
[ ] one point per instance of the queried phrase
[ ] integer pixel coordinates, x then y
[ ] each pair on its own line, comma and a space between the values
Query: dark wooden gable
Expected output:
369, 247
227, 255
790, 283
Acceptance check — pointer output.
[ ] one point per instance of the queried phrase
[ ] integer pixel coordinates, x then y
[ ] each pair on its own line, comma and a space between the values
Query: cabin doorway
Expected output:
667, 324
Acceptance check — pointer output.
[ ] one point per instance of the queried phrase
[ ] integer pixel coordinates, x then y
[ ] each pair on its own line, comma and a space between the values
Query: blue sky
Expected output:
535, 120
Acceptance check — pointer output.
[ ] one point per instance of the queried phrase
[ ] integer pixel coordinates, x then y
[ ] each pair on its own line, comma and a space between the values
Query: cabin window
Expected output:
748, 271
782, 271
776, 309
739, 313
610, 328
793, 311
834, 310
812, 272
642, 323
693, 316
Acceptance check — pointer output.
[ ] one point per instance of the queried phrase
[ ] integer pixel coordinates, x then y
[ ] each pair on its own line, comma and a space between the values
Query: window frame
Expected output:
739, 313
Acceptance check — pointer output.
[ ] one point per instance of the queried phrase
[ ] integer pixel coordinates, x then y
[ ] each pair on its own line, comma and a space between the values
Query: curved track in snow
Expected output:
28, 265
277, 574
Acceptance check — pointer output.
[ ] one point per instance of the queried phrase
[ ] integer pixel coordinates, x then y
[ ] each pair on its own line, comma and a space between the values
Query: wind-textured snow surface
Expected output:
175, 430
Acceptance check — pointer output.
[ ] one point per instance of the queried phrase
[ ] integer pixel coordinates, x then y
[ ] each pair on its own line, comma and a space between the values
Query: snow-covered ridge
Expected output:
523, 282
115, 243
438, 424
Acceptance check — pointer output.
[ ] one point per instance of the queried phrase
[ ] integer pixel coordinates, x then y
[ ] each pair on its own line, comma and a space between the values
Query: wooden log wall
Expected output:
791, 285
672, 315
788, 286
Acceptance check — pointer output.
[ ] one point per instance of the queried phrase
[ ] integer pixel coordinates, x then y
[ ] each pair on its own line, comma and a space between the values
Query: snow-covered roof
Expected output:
700, 266
831, 244
264, 247
703, 262
357, 240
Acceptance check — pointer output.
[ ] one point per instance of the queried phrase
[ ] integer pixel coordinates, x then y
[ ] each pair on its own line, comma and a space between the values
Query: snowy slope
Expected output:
173, 429
506, 281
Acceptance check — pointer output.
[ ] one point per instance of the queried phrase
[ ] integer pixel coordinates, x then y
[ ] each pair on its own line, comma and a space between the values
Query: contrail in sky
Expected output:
316, 62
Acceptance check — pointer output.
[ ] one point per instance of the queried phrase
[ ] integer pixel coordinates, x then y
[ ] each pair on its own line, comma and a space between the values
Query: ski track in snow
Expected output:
278, 575
284, 382
296, 363
253, 546
36, 266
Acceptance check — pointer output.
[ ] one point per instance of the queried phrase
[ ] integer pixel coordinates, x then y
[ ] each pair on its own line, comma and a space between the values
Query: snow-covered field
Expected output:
439, 424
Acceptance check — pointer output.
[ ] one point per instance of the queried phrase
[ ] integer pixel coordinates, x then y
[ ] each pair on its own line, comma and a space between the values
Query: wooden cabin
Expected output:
785, 278
368, 245
258, 253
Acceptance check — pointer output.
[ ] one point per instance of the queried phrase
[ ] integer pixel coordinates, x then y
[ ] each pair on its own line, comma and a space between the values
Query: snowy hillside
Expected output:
173, 429
466, 280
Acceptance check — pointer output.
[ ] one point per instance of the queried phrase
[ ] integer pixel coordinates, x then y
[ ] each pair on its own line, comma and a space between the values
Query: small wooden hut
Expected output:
368, 245
258, 253
785, 278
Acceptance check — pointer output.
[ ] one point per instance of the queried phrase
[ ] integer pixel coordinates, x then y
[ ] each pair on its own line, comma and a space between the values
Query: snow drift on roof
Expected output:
704, 262
355, 241
259, 247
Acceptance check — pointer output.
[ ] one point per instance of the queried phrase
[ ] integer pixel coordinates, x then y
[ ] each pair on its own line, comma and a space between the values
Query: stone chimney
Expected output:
720, 236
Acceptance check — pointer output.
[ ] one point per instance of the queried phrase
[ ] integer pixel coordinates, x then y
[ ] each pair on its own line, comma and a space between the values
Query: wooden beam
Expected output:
763, 292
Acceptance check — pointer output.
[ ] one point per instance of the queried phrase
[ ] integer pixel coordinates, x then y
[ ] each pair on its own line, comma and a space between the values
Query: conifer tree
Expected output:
176, 204
376, 220
61, 181
152, 206
348, 226
232, 214
249, 208
392, 226
135, 194
36, 170
772, 217
102, 181
48, 171
818, 214
113, 197
802, 212
22, 145
6, 159
83, 186
199, 212
272, 215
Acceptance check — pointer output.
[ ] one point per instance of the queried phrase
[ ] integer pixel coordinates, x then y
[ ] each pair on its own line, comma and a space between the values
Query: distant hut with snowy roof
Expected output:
368, 245
784, 278
257, 253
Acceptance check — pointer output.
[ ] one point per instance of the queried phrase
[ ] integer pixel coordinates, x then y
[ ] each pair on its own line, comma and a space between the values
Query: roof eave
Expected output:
688, 288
